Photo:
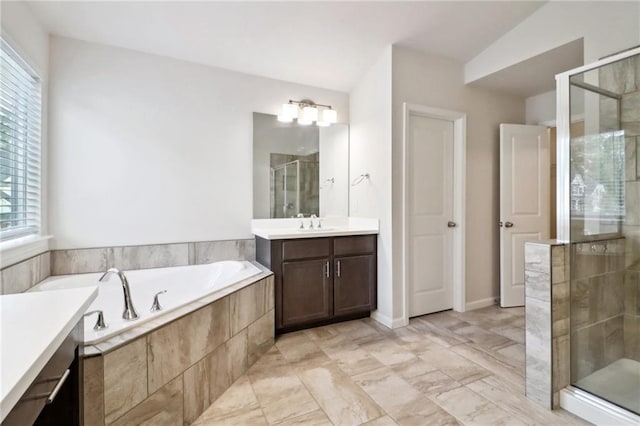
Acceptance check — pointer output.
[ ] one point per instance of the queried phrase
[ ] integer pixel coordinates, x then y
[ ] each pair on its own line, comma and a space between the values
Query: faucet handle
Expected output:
156, 303
100, 325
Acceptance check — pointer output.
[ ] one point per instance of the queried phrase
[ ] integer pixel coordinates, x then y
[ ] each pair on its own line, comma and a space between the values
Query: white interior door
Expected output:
430, 172
524, 202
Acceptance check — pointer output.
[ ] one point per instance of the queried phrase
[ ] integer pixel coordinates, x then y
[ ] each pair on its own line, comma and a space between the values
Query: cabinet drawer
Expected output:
362, 244
306, 248
34, 399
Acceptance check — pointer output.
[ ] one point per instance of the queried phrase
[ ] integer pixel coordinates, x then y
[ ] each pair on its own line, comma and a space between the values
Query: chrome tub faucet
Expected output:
129, 313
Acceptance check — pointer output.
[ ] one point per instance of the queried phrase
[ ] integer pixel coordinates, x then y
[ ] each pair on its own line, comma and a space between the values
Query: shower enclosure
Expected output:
599, 214
295, 188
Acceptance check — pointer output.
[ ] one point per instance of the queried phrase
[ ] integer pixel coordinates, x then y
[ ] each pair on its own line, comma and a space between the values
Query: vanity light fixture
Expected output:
306, 112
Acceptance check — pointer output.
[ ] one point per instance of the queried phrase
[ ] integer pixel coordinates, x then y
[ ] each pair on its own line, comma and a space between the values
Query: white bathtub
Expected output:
184, 284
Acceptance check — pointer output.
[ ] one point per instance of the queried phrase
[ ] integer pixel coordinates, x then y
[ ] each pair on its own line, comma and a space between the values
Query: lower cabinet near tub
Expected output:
321, 280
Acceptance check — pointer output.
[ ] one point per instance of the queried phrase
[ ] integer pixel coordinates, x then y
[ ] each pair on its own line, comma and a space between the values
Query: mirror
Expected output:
299, 169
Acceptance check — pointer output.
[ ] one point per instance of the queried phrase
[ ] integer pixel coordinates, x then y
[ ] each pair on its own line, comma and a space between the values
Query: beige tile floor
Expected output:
443, 369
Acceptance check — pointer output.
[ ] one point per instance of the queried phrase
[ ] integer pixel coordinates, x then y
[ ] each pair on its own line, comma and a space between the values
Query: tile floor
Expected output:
443, 369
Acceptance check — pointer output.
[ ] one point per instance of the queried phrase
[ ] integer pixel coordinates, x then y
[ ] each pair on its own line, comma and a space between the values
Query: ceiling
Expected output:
324, 44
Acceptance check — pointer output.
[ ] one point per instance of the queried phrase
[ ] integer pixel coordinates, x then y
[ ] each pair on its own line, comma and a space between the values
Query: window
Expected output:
20, 113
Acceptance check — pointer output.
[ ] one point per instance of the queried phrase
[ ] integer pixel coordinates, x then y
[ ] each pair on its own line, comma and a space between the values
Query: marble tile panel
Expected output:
559, 263
196, 391
214, 251
237, 355
471, 408
612, 295
78, 261
247, 305
180, 344
164, 407
505, 371
400, 399
580, 303
18, 278
289, 399
260, 336
631, 128
630, 160
342, 400
632, 337
151, 256
561, 363
388, 352
235, 406
381, 421
613, 339
455, 366
93, 390
632, 203
537, 257
588, 342
630, 107
314, 418
125, 379
537, 285
632, 293
300, 351
560, 308
219, 373
538, 354
516, 404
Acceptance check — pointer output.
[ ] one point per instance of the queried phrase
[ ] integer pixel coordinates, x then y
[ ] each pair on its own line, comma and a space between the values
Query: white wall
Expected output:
541, 108
605, 26
437, 82
30, 39
147, 149
370, 152
334, 164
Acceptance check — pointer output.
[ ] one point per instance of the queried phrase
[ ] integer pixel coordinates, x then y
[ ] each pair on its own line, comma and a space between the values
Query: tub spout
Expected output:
129, 312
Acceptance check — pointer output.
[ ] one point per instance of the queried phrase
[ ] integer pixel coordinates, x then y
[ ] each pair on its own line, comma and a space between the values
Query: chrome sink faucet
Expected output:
313, 216
129, 313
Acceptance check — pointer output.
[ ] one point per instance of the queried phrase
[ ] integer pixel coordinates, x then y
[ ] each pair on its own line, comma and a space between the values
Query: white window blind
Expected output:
20, 160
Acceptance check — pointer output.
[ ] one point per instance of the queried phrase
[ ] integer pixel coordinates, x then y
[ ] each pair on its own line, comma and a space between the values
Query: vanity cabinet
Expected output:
321, 280
54, 396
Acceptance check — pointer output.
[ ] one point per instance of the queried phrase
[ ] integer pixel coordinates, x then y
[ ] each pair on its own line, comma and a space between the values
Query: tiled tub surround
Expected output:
546, 321
24, 275
171, 374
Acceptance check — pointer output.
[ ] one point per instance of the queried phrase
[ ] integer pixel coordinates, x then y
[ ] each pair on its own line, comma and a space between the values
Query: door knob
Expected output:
508, 225
451, 224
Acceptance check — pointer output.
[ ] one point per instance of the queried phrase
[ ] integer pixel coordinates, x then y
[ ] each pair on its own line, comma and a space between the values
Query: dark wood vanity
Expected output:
321, 280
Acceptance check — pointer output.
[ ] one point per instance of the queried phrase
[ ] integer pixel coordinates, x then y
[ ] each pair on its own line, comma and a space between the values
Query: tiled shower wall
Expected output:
24, 275
624, 77
597, 305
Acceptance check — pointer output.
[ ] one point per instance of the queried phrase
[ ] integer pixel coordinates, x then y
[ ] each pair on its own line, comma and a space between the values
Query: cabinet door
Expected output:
306, 292
354, 284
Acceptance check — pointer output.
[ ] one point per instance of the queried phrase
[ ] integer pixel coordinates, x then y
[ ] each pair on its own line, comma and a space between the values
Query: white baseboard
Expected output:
387, 321
482, 303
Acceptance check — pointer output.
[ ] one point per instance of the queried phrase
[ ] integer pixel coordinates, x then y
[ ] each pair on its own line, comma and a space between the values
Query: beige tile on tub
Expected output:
260, 336
248, 304
162, 408
196, 391
93, 390
341, 399
125, 379
78, 261
180, 344
151, 256
214, 251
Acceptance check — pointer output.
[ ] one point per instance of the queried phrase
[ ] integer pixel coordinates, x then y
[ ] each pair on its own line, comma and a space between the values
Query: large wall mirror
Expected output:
299, 169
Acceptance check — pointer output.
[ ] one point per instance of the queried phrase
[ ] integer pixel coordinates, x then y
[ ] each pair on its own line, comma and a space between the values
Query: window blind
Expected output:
20, 159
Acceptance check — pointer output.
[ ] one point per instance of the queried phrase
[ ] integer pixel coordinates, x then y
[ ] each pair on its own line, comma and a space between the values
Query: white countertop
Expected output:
32, 327
280, 229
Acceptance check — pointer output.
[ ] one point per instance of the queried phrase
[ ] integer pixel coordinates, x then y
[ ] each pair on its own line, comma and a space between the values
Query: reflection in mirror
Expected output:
299, 169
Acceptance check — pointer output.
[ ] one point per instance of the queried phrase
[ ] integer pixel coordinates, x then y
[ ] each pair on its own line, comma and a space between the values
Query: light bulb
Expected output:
310, 113
290, 110
322, 123
283, 118
330, 116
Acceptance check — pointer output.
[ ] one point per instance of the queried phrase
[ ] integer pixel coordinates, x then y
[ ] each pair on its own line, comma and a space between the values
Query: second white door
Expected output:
430, 226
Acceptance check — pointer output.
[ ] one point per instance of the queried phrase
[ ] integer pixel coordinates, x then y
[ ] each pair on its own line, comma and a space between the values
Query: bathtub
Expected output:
184, 285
